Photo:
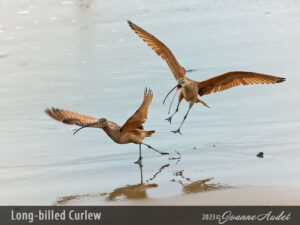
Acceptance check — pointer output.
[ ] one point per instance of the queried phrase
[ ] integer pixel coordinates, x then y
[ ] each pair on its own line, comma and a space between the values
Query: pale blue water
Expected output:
82, 56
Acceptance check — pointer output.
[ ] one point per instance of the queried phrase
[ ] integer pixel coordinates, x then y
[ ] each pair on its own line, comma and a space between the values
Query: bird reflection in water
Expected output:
137, 191
190, 187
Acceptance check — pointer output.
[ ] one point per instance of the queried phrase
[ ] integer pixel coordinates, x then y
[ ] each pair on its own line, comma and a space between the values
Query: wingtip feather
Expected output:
281, 79
47, 111
131, 24
148, 91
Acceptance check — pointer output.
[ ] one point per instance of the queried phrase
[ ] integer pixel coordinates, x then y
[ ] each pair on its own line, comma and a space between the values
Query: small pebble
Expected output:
260, 155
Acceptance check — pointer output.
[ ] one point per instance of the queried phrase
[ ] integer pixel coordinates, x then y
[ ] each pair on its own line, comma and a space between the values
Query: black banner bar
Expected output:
150, 215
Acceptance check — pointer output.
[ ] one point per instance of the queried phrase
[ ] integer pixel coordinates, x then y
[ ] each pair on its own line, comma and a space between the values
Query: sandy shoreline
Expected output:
255, 196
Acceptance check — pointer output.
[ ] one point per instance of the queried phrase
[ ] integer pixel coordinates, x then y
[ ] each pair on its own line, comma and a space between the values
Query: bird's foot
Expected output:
169, 119
139, 161
177, 131
164, 153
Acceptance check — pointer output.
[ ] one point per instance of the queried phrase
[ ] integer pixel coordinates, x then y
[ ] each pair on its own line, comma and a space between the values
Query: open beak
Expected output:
177, 90
90, 124
178, 86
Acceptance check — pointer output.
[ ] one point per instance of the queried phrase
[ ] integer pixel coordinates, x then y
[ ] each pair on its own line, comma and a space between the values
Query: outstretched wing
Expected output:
160, 49
235, 78
70, 117
140, 116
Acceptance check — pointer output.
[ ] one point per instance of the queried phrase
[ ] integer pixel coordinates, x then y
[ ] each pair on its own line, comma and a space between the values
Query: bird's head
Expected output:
102, 123
182, 82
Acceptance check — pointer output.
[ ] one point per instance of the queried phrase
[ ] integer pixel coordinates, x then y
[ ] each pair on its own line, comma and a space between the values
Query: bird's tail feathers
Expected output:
203, 103
148, 133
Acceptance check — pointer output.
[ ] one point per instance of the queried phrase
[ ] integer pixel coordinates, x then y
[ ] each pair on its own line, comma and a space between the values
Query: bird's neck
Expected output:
110, 132
186, 87
107, 130
189, 84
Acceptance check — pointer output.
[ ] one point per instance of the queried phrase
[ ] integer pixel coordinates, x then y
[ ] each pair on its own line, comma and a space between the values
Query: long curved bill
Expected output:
90, 124
178, 86
177, 90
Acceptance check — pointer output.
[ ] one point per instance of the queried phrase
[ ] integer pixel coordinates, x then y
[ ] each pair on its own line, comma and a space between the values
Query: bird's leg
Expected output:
170, 118
139, 161
178, 130
162, 153
141, 172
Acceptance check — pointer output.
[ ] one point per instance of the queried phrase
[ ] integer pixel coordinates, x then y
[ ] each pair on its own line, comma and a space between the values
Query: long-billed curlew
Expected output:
131, 132
190, 90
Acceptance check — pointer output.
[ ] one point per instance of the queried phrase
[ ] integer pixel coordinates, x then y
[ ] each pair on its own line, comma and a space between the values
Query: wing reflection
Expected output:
191, 187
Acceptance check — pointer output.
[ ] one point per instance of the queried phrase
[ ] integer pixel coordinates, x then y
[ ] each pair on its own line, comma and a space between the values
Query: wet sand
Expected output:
269, 196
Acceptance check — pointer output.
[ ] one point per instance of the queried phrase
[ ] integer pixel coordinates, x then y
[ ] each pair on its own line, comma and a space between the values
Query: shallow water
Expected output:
82, 56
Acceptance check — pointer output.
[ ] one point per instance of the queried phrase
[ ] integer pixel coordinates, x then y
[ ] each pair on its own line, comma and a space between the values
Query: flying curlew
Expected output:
131, 132
189, 89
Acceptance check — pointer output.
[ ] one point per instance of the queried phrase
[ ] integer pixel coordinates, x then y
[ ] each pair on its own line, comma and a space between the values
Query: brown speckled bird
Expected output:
190, 90
131, 132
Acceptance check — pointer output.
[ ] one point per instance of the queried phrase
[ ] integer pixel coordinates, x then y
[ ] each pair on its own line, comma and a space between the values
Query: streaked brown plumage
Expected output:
131, 132
190, 90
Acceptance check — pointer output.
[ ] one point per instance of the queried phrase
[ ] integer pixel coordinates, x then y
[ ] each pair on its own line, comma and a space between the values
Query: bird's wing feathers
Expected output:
71, 117
140, 116
161, 49
235, 78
